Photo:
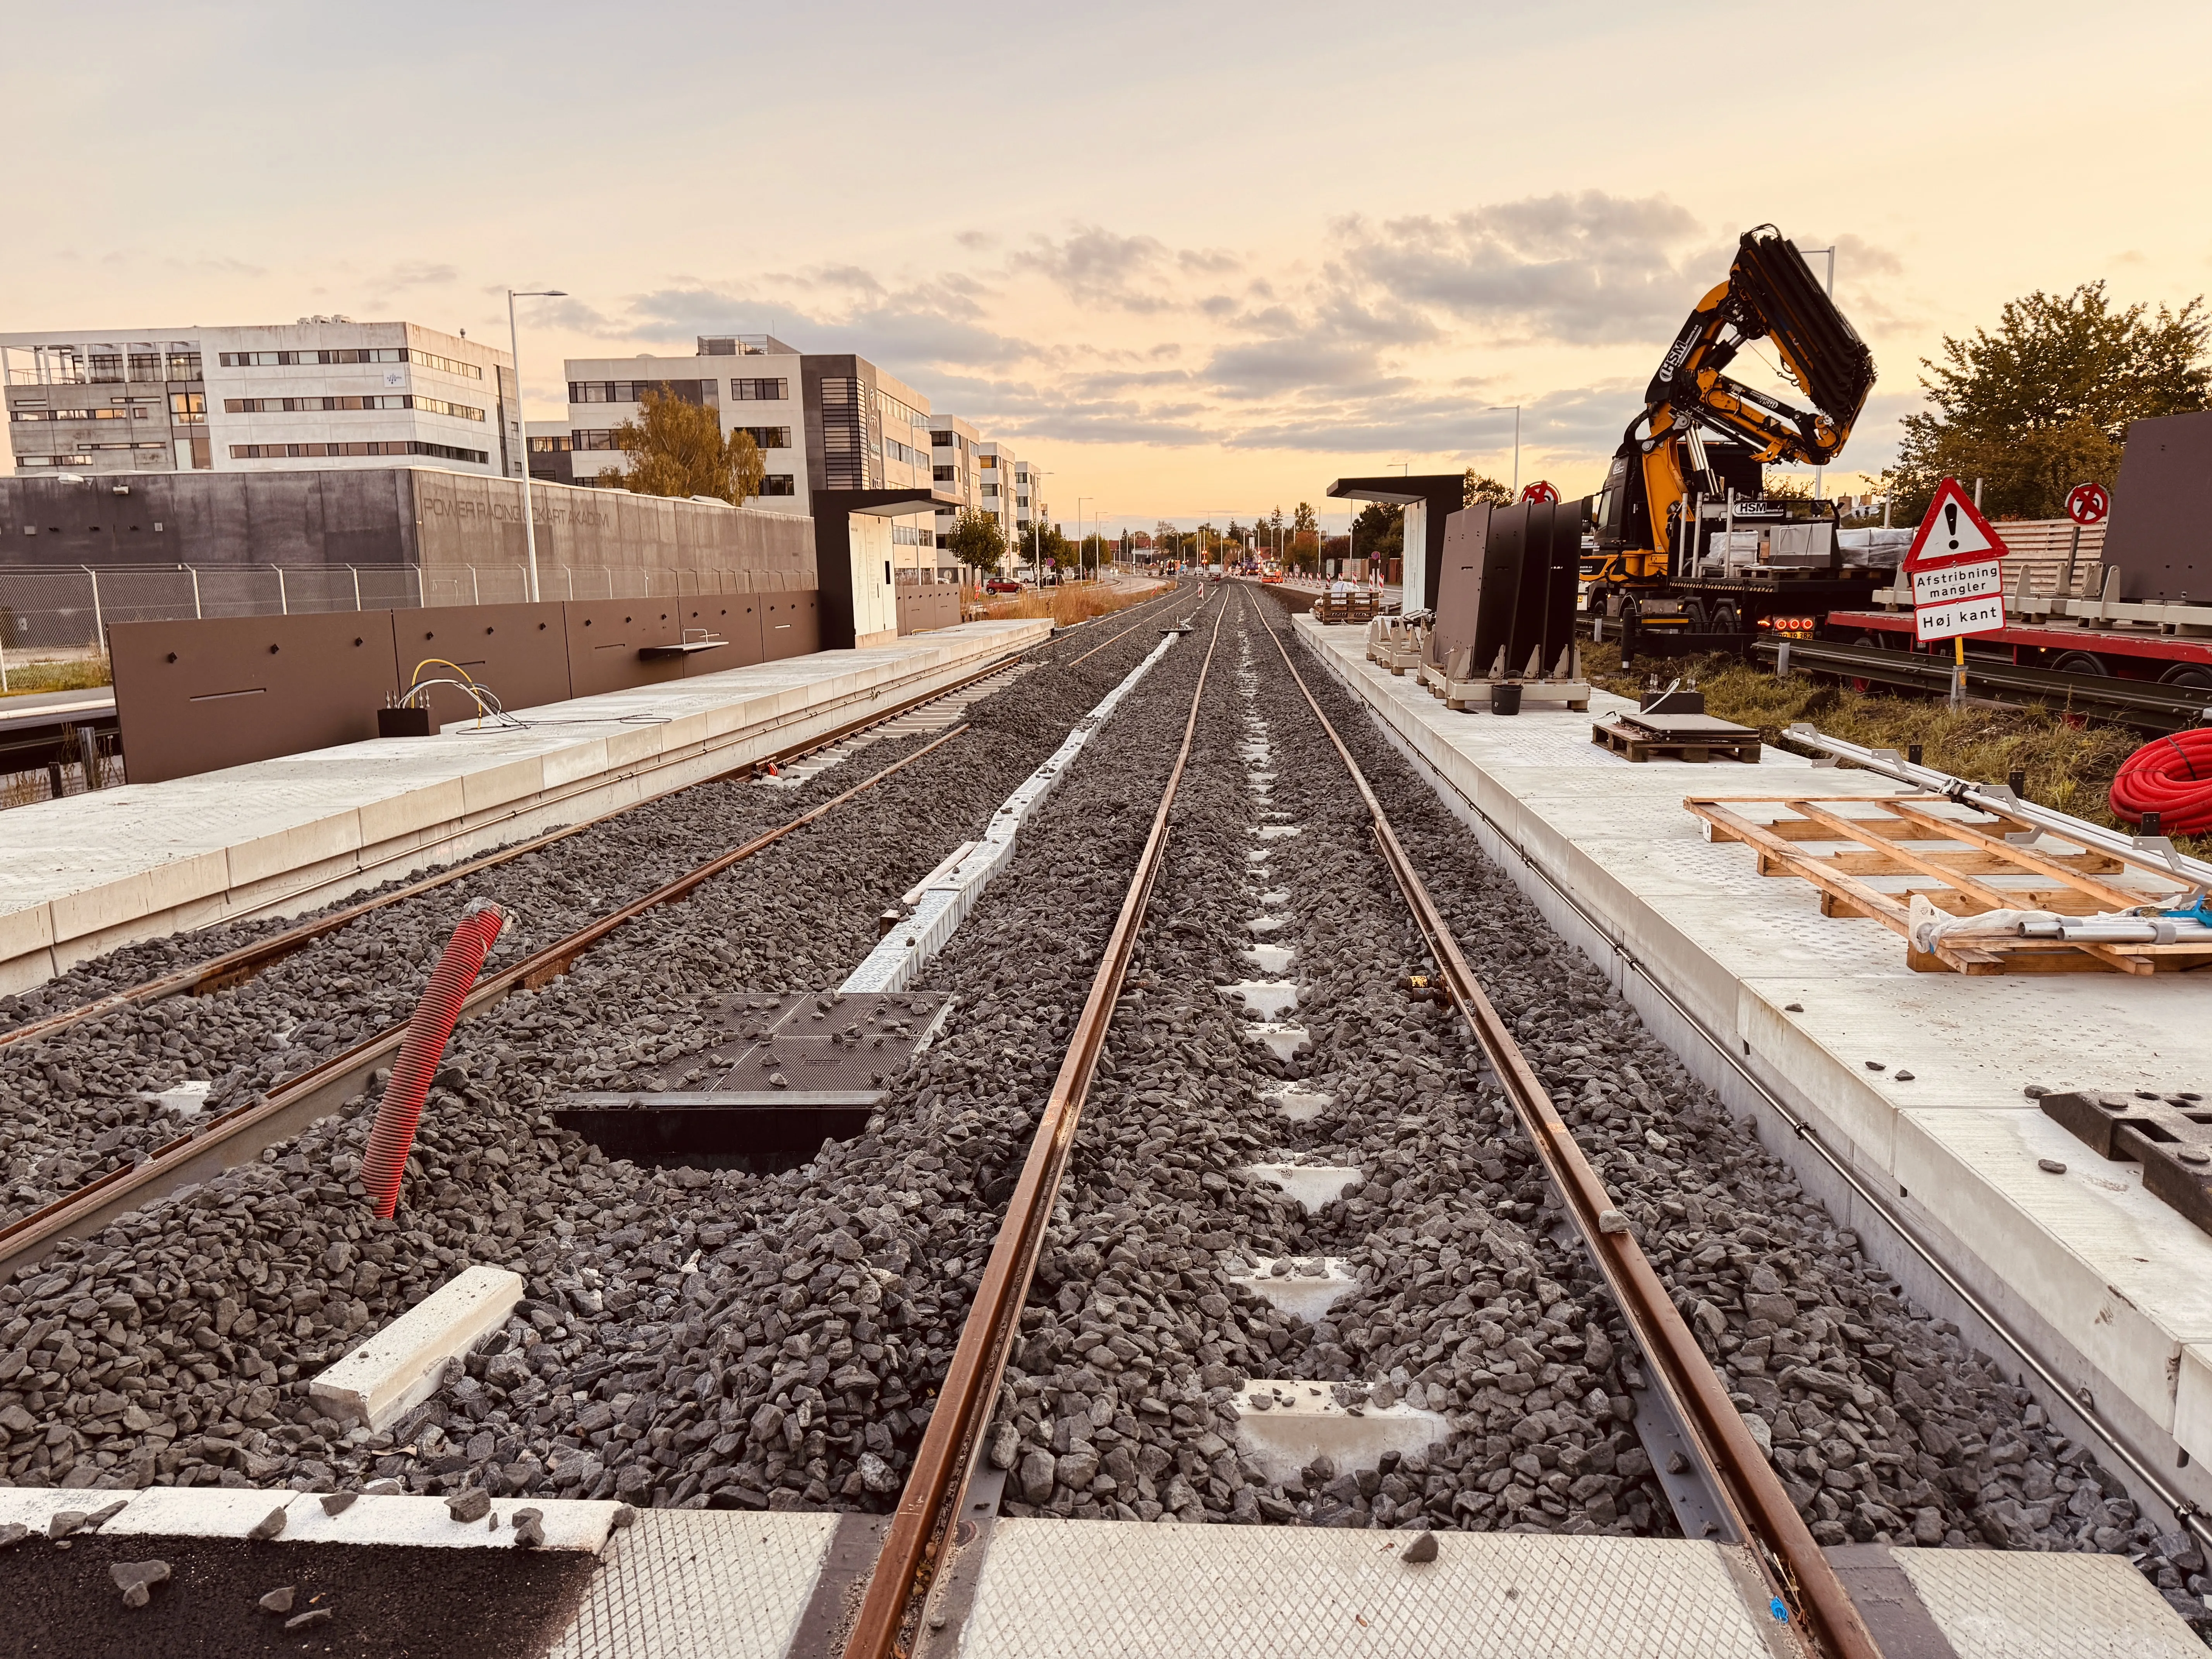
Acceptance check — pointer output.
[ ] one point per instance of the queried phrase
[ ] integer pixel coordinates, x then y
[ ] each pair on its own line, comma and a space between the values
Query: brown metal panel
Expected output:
2159, 507
520, 650
791, 626
733, 616
605, 636
195, 696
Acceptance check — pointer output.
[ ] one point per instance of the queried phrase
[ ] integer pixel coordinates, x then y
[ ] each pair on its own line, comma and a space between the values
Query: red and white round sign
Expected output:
1541, 490
2088, 504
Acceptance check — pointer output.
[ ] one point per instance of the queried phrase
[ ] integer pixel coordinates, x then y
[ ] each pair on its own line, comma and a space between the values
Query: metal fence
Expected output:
64, 612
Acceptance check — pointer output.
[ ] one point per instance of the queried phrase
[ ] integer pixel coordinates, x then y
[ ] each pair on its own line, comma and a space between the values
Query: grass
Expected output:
2069, 766
1067, 604
63, 674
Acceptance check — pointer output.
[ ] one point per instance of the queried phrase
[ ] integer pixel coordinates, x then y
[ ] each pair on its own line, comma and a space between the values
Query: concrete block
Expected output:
1305, 1285
396, 1369
495, 785
197, 1512
419, 809
1312, 1184
569, 1523
1265, 996
1299, 1103
1302, 1420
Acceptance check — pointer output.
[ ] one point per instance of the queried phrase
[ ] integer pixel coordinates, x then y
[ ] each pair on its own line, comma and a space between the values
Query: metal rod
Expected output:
2156, 854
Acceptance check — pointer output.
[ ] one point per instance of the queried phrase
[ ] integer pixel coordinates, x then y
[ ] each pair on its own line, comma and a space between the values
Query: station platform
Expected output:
2107, 1283
736, 1584
84, 874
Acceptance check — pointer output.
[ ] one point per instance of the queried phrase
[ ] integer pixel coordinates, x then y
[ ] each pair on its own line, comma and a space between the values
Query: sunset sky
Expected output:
1194, 260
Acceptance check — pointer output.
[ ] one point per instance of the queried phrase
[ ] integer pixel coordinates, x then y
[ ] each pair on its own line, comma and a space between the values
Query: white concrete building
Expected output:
322, 392
953, 452
820, 421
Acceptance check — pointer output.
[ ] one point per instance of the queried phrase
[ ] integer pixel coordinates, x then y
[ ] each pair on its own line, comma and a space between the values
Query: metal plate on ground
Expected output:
813, 1040
2005, 1604
701, 1585
1105, 1589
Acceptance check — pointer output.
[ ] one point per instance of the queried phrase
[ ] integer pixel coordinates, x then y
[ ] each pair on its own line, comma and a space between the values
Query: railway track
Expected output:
220, 1137
1055, 1258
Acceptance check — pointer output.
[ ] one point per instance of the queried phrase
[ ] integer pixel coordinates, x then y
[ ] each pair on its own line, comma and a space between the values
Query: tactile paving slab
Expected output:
701, 1585
1092, 1590
2003, 1604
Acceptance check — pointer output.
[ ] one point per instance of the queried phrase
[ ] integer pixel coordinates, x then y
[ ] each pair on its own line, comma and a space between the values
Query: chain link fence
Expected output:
63, 613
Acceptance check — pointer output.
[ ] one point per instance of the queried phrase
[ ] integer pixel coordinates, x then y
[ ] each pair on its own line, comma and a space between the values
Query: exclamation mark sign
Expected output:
1951, 520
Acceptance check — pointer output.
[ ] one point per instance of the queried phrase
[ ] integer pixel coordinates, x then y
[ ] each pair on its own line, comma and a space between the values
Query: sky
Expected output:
1195, 261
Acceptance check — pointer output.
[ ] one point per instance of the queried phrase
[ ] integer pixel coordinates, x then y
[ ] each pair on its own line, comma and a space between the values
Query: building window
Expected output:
390, 447
899, 451
346, 355
990, 492
106, 368
554, 443
906, 535
760, 390
632, 391
188, 408
310, 405
766, 437
942, 474
53, 460
145, 365
987, 462
844, 449
779, 484
184, 365
585, 438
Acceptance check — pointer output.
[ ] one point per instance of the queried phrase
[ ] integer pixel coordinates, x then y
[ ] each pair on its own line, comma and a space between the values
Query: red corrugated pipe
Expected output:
393, 1135
2171, 776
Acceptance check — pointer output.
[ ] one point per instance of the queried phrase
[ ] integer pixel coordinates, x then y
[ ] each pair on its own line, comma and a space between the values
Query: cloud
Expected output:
1589, 269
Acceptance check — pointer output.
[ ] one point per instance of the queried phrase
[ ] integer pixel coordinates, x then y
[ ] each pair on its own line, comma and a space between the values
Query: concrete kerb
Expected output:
2144, 1426
569, 1523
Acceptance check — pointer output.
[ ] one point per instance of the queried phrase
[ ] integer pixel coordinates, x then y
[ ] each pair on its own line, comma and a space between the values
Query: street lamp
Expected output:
1038, 475
1831, 252
1080, 500
514, 351
1499, 409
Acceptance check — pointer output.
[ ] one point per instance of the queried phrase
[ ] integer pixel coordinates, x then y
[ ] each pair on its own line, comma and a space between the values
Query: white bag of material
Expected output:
1925, 925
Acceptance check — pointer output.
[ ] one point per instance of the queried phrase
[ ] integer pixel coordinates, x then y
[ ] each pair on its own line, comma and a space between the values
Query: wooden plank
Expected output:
2058, 868
1834, 885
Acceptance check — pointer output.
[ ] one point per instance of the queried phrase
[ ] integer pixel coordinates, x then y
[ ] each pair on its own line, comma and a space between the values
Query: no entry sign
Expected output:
2088, 504
1957, 582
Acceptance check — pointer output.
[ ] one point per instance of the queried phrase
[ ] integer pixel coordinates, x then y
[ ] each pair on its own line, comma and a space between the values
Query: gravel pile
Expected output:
88, 1099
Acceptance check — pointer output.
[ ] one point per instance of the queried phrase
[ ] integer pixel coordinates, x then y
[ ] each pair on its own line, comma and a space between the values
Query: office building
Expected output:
953, 446
322, 393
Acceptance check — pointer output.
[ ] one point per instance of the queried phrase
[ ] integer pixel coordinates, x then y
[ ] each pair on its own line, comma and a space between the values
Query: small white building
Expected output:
323, 392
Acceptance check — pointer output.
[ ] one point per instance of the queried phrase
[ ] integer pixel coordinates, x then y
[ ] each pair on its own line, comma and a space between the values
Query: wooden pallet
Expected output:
1961, 864
1643, 745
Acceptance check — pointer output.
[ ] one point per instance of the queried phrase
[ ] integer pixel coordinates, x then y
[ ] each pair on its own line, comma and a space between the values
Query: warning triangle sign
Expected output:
1954, 529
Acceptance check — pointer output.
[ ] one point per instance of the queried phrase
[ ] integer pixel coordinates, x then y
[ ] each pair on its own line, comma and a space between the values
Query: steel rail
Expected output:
1784, 1549
241, 1132
921, 1525
2145, 705
236, 967
1126, 632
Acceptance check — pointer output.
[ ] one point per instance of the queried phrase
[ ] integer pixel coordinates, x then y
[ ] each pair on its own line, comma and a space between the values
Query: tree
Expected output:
1048, 547
1481, 487
1304, 552
1379, 531
1302, 520
2043, 402
977, 540
676, 449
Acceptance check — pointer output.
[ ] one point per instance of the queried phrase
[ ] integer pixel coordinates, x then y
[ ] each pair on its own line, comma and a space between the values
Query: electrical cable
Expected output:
2171, 776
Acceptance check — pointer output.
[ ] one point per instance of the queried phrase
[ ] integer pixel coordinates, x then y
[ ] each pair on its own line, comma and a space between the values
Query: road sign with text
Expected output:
1957, 582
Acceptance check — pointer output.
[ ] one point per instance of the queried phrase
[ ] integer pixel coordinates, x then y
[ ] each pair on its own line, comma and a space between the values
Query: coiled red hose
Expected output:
2171, 776
392, 1136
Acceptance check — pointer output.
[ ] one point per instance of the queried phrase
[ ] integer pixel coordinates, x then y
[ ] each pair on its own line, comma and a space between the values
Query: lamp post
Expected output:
1080, 500
514, 351
1038, 476
1831, 252
1499, 409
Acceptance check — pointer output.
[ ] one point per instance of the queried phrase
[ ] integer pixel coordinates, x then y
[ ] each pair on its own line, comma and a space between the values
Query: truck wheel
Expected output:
2192, 677
2081, 662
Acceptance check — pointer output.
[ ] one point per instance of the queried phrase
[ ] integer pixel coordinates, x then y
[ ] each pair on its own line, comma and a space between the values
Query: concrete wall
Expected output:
383, 516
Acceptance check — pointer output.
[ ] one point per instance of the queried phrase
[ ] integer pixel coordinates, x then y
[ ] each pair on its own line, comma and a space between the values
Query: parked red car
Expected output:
1002, 585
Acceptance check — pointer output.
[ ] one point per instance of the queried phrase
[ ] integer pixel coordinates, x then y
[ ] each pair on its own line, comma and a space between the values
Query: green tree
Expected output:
1379, 531
676, 449
977, 540
1304, 552
1302, 520
1481, 487
1050, 549
2043, 402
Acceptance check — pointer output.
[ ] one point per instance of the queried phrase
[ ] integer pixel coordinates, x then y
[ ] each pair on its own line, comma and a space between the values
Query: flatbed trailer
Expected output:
2167, 644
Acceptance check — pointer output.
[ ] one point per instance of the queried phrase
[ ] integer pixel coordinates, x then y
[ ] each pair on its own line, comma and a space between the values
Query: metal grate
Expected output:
701, 1585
